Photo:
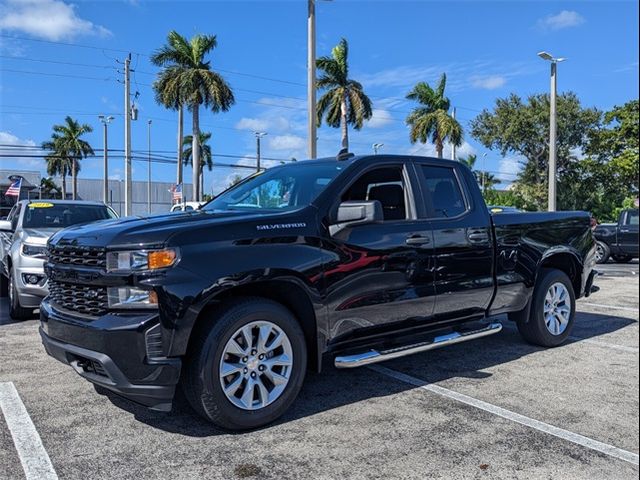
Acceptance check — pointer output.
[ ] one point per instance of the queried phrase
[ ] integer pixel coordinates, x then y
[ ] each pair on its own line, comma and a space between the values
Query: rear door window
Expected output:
442, 189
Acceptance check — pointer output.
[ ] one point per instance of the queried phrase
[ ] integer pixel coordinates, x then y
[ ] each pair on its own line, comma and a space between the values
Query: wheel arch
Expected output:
566, 261
287, 292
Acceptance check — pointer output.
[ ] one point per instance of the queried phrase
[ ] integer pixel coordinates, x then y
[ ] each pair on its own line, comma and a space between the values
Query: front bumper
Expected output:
110, 351
30, 295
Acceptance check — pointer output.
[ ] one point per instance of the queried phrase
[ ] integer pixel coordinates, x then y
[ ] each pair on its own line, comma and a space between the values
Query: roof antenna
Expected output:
343, 154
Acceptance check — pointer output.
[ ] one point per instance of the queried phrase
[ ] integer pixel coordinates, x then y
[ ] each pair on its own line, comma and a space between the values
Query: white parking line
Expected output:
34, 458
622, 348
612, 307
515, 417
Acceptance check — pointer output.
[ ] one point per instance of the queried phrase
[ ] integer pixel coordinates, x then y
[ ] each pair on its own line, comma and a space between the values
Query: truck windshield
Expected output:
281, 188
62, 215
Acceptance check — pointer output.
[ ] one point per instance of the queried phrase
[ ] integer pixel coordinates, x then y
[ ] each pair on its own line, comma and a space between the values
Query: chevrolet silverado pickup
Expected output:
356, 258
618, 240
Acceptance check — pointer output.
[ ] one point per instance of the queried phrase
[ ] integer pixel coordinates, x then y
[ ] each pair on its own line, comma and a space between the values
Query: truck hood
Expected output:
37, 236
151, 231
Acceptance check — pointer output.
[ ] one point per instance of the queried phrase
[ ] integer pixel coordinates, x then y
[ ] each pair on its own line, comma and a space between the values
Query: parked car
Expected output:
186, 207
618, 240
365, 258
23, 238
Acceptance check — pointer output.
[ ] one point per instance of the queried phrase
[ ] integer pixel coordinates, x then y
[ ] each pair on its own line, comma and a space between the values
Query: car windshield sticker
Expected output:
40, 205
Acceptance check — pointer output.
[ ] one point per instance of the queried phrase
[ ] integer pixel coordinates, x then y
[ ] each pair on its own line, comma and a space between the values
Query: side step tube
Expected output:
374, 356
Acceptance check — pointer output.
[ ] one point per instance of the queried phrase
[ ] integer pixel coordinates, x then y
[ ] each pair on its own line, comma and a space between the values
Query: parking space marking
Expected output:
34, 458
572, 437
613, 307
622, 348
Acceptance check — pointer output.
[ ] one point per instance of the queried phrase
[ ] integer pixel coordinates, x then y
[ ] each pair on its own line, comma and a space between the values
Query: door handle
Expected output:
417, 240
478, 236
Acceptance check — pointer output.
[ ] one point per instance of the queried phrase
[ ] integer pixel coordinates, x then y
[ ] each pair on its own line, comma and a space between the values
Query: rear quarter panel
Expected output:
525, 240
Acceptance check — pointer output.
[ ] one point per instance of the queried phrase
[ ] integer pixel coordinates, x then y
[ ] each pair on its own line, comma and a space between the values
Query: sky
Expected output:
61, 58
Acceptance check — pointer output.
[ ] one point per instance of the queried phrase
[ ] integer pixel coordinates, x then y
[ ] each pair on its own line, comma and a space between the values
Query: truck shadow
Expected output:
335, 388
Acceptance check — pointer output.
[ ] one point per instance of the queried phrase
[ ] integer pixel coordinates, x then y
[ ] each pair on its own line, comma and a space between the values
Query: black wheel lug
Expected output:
253, 374
253, 352
245, 359
261, 357
245, 370
261, 368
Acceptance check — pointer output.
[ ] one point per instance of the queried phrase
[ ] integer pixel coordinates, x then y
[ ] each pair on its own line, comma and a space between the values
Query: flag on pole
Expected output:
177, 192
14, 188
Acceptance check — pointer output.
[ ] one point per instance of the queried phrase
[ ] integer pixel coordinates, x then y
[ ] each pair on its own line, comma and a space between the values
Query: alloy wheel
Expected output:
557, 308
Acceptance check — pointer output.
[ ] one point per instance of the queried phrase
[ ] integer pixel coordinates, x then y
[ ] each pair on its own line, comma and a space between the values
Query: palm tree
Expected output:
206, 157
70, 148
188, 80
431, 119
344, 103
486, 179
469, 161
48, 188
57, 164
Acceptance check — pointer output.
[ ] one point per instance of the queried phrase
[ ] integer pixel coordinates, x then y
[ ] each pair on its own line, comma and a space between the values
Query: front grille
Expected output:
86, 300
82, 256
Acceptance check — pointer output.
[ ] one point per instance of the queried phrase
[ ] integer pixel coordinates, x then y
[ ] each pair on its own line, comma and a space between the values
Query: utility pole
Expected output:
453, 145
105, 181
149, 168
552, 127
127, 137
258, 135
180, 141
311, 79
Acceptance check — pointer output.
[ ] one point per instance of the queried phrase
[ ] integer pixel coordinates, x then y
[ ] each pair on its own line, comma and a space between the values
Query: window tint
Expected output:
385, 185
632, 217
443, 189
50, 215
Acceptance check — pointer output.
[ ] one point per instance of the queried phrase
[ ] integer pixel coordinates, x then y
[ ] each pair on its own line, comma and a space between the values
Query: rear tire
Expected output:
602, 252
621, 258
16, 311
553, 310
248, 398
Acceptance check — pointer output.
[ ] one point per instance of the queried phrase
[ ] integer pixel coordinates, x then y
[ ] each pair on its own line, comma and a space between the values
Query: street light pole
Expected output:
376, 147
149, 168
311, 79
258, 135
552, 128
105, 181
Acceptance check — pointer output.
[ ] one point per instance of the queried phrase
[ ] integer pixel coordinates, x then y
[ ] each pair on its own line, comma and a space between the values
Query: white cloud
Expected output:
287, 142
509, 167
488, 82
254, 124
379, 118
15, 149
49, 19
564, 19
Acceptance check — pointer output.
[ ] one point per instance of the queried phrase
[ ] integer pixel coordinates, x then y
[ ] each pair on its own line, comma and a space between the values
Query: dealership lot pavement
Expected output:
492, 408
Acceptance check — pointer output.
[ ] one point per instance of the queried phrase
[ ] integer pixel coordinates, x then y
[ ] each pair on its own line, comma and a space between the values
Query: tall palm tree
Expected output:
344, 102
67, 144
486, 179
58, 164
206, 157
469, 161
188, 79
431, 119
167, 94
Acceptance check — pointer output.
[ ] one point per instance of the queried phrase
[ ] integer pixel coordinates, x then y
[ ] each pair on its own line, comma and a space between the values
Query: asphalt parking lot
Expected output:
492, 408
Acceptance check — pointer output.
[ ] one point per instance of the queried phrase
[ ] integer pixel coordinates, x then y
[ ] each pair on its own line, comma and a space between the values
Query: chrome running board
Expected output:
375, 356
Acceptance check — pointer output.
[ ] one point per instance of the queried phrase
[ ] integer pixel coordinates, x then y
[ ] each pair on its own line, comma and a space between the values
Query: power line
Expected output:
58, 62
65, 75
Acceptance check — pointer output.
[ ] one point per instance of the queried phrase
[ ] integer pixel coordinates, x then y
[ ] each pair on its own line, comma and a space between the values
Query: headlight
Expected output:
140, 260
131, 297
39, 251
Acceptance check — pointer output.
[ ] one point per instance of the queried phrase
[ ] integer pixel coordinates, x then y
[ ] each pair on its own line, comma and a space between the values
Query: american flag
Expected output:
177, 192
14, 188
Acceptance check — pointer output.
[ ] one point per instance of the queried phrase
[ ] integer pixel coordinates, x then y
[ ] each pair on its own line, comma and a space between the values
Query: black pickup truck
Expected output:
359, 258
618, 240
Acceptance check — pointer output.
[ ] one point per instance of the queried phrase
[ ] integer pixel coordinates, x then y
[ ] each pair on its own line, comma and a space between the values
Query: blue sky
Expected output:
487, 49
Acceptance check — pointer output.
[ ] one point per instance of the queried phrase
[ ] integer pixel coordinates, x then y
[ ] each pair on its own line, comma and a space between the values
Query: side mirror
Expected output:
356, 212
5, 226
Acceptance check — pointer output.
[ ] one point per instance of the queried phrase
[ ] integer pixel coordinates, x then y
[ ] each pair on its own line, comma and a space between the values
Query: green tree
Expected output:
235, 180
522, 128
344, 103
432, 119
206, 157
48, 188
486, 179
68, 148
187, 79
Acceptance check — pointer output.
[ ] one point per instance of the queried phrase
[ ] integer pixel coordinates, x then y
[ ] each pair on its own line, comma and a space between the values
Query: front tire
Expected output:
621, 258
602, 252
246, 367
553, 310
16, 311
